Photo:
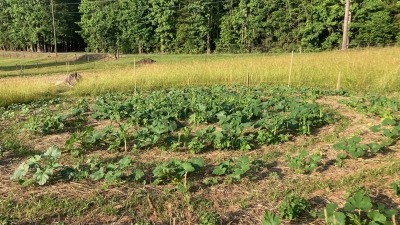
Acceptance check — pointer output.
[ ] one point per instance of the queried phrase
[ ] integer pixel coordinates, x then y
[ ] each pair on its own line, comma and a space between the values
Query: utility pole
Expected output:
345, 40
54, 28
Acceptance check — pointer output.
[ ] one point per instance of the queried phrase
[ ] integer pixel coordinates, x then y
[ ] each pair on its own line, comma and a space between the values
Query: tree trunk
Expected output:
345, 40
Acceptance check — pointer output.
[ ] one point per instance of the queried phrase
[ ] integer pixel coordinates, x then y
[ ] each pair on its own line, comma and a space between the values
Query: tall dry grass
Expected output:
372, 70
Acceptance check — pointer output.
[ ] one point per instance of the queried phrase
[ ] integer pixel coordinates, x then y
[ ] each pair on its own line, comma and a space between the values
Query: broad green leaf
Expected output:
110, 177
33, 160
219, 170
376, 128
188, 167
40, 176
137, 174
355, 139
98, 175
388, 122
338, 218
20, 172
270, 219
124, 162
376, 218
53, 152
197, 162
339, 146
359, 201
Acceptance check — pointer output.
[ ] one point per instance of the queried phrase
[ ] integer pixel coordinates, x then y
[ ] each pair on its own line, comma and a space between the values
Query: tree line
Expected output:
194, 26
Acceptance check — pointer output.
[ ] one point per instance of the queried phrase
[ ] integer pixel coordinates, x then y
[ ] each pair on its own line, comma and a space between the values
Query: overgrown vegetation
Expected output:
204, 155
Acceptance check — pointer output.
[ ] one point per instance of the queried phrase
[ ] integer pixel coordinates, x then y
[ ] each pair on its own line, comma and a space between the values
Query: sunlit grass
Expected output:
373, 70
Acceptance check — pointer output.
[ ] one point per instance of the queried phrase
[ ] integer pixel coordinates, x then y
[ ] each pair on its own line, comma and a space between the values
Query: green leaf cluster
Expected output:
304, 162
359, 210
38, 168
175, 170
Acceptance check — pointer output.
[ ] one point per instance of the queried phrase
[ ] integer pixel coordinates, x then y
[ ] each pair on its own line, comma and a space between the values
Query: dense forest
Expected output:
194, 26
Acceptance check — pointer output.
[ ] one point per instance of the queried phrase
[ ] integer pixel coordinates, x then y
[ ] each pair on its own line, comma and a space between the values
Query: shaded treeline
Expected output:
195, 26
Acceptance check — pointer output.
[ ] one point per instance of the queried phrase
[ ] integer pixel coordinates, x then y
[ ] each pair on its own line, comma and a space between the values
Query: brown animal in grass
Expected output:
146, 61
73, 78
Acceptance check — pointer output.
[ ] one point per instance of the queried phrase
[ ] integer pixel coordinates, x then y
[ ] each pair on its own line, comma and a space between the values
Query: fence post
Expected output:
134, 73
339, 80
290, 70
248, 79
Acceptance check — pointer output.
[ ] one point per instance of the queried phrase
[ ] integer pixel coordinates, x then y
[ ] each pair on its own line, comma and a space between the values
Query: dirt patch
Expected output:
146, 61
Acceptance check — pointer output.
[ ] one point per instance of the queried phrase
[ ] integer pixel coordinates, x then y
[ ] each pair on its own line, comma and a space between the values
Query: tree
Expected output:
164, 13
346, 25
323, 27
137, 31
193, 27
101, 27
372, 24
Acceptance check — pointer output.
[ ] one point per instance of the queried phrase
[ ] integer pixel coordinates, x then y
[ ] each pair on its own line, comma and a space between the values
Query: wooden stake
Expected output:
339, 80
248, 79
326, 215
290, 71
134, 73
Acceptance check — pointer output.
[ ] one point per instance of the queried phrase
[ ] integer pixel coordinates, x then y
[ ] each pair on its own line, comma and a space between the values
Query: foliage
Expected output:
355, 149
194, 26
41, 167
292, 207
396, 187
46, 123
114, 172
359, 209
209, 218
234, 168
390, 129
304, 162
175, 170
270, 219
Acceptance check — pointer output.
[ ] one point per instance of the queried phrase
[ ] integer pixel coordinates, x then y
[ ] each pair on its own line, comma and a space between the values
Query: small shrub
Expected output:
292, 207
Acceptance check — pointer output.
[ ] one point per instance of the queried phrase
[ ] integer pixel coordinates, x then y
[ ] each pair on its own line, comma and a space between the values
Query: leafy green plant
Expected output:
332, 216
209, 218
359, 210
389, 129
47, 123
304, 162
396, 187
355, 149
270, 219
174, 170
41, 167
80, 142
352, 146
234, 168
292, 207
114, 172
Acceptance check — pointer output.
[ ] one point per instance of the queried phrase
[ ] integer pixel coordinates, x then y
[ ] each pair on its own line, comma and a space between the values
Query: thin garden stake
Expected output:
134, 73
339, 80
290, 71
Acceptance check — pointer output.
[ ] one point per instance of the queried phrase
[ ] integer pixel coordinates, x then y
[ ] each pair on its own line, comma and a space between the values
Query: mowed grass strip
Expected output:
364, 70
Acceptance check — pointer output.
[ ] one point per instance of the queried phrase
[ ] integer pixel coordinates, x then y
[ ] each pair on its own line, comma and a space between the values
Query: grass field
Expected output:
195, 139
368, 70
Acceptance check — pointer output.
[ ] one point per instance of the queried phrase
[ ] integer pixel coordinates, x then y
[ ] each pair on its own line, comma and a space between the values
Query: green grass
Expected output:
365, 70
